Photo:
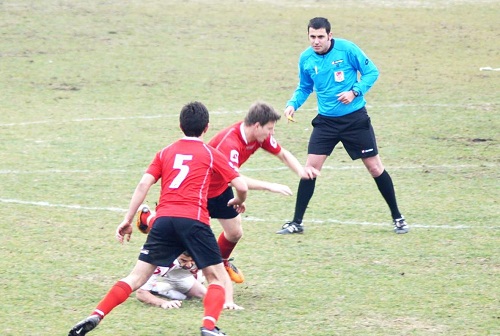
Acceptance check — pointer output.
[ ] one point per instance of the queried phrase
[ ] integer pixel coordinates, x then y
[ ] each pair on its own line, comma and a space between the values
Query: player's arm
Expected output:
124, 230
304, 88
367, 69
139, 195
229, 174
147, 297
291, 161
241, 188
254, 184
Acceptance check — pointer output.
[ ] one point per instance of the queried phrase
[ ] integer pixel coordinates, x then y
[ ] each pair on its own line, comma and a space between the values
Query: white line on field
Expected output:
423, 166
54, 122
125, 171
67, 206
62, 171
402, 105
250, 219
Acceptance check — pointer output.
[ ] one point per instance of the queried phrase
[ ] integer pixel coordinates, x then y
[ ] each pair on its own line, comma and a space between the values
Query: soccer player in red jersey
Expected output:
185, 168
238, 142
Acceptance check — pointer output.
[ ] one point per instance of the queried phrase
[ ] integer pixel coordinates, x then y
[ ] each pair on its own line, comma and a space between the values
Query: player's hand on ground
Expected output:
232, 306
236, 203
171, 304
280, 189
310, 173
123, 231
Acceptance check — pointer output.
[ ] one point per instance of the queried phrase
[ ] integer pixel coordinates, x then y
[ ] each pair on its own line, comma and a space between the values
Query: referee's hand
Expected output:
346, 97
289, 112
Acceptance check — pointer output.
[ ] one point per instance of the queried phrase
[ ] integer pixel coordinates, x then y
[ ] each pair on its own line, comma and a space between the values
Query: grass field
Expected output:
91, 90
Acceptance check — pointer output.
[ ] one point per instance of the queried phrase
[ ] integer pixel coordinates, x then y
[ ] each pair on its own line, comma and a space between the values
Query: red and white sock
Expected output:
213, 303
118, 294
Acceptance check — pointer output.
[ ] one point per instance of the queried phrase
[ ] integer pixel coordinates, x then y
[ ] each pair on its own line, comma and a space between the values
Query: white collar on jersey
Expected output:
191, 138
242, 131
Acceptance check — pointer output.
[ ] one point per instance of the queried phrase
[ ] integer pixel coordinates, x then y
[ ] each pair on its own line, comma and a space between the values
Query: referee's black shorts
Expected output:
354, 130
170, 236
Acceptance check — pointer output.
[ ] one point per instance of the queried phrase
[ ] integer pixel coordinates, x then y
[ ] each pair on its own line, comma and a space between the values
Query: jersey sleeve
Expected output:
368, 70
271, 145
222, 166
155, 167
305, 86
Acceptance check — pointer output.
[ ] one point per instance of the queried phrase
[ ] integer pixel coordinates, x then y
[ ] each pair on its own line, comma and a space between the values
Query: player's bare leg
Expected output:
233, 231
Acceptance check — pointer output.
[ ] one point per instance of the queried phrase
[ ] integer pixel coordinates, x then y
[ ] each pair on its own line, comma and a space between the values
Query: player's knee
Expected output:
215, 274
238, 235
234, 234
375, 170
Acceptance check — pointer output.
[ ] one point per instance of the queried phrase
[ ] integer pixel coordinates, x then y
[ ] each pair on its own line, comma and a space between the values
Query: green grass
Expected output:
91, 90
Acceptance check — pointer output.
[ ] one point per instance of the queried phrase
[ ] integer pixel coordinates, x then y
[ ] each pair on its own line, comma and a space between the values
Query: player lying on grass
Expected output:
180, 281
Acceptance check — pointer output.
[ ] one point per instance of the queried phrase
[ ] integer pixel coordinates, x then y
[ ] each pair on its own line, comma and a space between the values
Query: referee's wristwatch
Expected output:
355, 93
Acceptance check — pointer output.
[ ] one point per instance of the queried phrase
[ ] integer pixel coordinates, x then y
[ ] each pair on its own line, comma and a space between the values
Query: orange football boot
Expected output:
234, 273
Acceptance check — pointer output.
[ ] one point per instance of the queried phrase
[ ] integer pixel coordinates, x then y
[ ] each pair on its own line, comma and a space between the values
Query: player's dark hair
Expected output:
261, 113
194, 119
318, 23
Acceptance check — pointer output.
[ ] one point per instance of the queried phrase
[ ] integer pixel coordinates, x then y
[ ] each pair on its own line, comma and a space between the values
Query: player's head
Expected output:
186, 261
261, 119
261, 113
194, 119
319, 34
319, 23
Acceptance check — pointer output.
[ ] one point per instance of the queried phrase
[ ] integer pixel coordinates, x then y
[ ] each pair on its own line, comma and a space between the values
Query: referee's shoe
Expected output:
400, 225
290, 228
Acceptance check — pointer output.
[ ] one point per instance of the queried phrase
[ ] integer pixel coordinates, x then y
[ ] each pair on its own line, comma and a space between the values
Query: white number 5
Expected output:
183, 170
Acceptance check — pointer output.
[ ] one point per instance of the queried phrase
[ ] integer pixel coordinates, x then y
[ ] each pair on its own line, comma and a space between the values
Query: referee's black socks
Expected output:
386, 188
304, 195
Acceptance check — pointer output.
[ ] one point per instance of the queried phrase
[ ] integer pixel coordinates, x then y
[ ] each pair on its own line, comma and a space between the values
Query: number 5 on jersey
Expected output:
183, 169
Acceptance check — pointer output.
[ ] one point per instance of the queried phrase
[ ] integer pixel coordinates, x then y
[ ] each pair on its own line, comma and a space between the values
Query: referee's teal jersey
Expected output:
332, 73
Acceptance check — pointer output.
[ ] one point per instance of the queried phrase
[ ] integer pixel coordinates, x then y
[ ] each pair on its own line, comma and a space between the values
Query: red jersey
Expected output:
232, 142
186, 168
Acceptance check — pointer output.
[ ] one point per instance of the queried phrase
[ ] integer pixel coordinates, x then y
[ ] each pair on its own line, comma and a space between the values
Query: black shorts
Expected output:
354, 130
217, 206
170, 236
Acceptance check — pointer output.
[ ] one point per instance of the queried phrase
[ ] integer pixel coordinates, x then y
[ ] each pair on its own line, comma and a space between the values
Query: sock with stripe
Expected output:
116, 295
213, 303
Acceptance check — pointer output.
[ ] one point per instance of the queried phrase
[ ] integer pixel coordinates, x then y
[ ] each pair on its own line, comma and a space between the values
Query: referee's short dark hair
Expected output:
318, 23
